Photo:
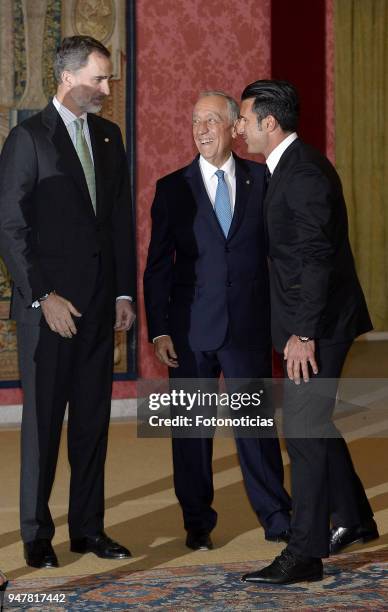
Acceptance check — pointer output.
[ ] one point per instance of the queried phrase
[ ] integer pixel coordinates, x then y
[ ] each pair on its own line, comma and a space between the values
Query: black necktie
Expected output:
267, 178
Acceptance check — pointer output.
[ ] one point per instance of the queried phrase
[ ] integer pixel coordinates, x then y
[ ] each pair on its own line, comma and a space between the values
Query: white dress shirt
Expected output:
275, 155
69, 118
210, 178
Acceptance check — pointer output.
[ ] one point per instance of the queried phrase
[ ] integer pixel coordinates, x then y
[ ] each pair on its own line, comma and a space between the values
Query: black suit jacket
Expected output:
50, 237
199, 286
314, 286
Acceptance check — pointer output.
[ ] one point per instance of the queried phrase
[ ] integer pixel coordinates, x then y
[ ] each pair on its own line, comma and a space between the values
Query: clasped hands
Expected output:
59, 313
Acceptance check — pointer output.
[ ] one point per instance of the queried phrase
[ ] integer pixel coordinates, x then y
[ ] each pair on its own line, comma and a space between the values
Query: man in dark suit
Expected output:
317, 309
207, 304
65, 235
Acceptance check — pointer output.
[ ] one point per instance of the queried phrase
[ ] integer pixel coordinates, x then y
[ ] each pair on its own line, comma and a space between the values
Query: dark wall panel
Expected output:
298, 55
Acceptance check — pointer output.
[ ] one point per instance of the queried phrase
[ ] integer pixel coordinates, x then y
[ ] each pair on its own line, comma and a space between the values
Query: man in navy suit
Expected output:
207, 305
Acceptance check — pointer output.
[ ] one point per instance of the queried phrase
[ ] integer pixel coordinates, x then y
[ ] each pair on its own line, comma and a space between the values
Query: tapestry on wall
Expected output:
30, 31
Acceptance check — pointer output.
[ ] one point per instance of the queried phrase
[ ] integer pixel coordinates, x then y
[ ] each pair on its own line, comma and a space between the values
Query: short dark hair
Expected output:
74, 52
277, 98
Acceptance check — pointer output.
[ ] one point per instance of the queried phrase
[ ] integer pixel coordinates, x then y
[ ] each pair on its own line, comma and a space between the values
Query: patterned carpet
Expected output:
352, 582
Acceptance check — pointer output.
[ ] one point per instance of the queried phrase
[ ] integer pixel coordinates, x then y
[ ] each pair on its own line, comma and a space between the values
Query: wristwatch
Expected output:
304, 338
45, 296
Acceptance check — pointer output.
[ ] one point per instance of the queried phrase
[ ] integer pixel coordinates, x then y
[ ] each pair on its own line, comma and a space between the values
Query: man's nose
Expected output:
240, 126
105, 87
202, 127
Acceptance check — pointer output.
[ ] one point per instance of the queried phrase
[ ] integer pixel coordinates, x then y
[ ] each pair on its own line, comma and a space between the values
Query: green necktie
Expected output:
85, 158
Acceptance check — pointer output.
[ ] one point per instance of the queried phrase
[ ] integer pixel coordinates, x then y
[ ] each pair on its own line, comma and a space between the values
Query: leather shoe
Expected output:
283, 536
100, 545
341, 537
286, 569
199, 540
40, 553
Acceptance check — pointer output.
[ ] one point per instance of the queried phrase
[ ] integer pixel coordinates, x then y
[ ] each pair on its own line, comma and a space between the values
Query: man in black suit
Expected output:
317, 309
65, 235
207, 304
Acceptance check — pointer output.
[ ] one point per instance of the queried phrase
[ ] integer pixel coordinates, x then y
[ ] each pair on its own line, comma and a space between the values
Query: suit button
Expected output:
227, 249
228, 284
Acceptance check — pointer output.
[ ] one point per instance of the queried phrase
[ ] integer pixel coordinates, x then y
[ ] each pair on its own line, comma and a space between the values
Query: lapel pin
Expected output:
247, 181
106, 139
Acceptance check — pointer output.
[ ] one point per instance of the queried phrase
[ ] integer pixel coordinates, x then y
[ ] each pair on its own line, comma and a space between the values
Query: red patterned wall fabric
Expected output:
184, 47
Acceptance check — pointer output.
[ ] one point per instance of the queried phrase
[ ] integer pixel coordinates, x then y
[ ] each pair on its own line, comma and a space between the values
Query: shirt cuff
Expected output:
161, 336
125, 297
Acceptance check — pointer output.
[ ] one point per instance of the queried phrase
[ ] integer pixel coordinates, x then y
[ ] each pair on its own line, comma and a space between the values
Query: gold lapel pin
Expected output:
106, 139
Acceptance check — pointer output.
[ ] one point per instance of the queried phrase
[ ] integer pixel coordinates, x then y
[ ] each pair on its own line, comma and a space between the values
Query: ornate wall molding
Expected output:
34, 14
102, 19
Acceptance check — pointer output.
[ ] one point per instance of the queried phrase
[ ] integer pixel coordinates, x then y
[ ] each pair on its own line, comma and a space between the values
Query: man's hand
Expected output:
165, 352
299, 355
59, 314
125, 315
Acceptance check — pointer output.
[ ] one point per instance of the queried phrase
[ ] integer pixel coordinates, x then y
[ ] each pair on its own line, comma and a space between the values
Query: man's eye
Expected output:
211, 120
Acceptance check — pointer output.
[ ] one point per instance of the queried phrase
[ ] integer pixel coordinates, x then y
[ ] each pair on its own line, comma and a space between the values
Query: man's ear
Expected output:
234, 129
270, 123
67, 78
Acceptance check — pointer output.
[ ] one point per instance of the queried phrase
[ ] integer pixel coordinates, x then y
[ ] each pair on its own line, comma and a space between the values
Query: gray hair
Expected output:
233, 107
74, 52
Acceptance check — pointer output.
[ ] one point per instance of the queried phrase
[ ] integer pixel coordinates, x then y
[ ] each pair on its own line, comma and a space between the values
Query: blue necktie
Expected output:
222, 206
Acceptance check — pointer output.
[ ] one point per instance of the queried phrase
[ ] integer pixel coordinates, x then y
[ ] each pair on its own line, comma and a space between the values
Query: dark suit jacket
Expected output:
198, 285
50, 237
314, 286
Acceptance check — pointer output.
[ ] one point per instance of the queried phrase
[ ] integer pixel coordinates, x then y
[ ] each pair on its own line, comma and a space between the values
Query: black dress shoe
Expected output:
40, 553
283, 536
199, 540
100, 545
287, 569
341, 537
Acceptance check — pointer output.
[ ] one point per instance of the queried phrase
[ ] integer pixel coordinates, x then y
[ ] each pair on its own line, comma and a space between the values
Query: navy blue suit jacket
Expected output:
199, 286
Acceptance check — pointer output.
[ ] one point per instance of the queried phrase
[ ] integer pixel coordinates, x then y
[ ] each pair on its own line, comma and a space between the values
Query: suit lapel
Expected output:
244, 184
279, 173
194, 178
68, 160
97, 140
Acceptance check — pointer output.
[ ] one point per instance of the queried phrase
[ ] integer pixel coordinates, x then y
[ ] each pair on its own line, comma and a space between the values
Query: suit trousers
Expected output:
56, 371
260, 458
324, 484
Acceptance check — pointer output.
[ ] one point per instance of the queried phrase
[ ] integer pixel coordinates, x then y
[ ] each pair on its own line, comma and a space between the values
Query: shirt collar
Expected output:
275, 155
208, 170
67, 115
